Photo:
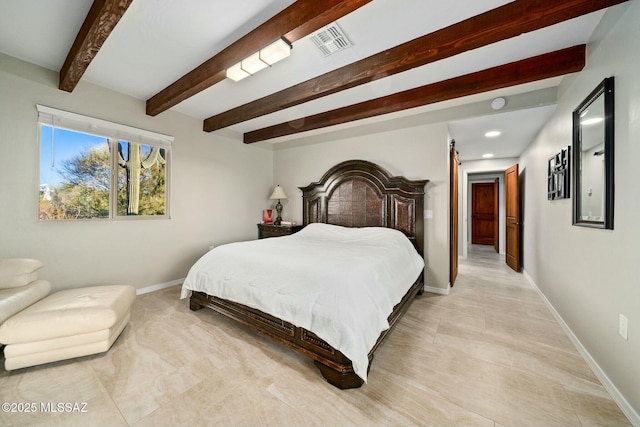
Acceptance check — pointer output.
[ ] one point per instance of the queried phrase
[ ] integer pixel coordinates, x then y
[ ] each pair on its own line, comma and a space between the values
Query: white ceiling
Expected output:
158, 41
517, 129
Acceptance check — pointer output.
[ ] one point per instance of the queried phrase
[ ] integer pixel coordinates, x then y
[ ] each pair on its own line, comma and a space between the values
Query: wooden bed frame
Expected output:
355, 193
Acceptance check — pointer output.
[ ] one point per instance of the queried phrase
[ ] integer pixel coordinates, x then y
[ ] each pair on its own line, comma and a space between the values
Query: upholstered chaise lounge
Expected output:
66, 324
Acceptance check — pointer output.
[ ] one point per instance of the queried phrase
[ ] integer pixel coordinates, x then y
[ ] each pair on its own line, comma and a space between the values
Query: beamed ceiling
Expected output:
409, 57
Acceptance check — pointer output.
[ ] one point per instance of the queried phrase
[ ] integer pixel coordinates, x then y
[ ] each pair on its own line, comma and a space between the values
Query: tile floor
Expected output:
489, 354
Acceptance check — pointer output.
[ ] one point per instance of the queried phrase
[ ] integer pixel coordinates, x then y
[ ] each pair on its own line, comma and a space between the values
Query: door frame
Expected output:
471, 173
496, 212
454, 219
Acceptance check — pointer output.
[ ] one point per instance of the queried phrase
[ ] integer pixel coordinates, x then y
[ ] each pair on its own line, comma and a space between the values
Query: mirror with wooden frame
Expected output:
593, 163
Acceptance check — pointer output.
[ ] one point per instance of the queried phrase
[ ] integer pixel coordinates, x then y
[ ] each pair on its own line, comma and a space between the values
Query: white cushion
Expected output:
14, 300
104, 336
70, 312
23, 355
16, 272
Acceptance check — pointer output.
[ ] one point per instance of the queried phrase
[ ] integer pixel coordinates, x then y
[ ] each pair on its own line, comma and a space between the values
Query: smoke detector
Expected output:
498, 103
330, 39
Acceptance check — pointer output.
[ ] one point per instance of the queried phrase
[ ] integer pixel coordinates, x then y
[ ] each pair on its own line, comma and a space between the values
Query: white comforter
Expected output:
339, 283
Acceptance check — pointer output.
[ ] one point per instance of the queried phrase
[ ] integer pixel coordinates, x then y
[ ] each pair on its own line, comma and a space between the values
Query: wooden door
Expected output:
482, 213
496, 213
513, 218
453, 232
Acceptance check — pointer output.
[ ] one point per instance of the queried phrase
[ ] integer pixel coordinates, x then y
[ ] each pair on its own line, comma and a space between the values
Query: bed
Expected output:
334, 307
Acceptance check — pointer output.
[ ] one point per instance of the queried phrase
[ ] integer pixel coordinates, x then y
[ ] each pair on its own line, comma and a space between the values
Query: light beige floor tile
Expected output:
530, 329
430, 314
71, 383
492, 391
488, 354
532, 357
597, 410
226, 401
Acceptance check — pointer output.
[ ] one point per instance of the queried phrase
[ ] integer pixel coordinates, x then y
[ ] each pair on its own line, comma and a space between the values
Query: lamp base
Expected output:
278, 220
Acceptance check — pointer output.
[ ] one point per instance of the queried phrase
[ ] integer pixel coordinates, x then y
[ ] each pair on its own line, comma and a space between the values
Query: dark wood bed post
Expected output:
355, 193
194, 305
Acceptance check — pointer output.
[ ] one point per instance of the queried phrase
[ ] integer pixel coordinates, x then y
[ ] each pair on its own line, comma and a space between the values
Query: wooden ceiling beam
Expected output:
97, 26
540, 67
293, 23
502, 23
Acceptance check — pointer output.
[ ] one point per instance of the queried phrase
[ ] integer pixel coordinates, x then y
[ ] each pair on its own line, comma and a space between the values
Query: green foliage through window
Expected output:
141, 179
85, 176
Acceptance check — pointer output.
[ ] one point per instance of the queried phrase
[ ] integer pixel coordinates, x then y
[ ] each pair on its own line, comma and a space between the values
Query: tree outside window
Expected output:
84, 176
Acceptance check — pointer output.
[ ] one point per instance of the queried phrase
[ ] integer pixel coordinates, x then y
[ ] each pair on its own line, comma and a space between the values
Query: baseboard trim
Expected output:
434, 290
159, 286
625, 407
535, 286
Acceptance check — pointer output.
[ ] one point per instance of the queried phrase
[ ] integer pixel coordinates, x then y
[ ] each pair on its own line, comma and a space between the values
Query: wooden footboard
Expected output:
334, 366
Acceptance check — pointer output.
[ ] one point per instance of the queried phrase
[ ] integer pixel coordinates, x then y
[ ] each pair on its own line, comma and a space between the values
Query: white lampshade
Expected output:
236, 73
252, 64
275, 52
278, 193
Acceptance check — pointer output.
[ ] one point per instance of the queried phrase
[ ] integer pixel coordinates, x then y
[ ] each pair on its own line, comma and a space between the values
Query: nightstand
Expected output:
270, 230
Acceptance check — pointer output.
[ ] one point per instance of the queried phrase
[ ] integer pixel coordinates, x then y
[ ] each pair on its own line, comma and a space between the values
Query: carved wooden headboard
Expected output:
358, 193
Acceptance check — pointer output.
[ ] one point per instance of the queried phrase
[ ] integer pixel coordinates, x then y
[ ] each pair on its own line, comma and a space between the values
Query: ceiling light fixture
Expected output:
492, 134
265, 57
487, 155
253, 63
236, 73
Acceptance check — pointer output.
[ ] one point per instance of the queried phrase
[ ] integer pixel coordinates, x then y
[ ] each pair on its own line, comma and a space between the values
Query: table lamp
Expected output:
278, 194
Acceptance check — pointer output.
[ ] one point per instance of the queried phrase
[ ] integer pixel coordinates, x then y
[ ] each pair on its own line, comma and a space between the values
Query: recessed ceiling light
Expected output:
487, 155
492, 134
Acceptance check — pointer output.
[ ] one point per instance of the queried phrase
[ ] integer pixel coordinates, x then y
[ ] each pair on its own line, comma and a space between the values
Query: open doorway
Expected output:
472, 175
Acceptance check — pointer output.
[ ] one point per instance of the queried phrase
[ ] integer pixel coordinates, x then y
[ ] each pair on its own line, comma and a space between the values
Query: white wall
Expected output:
590, 276
219, 188
419, 152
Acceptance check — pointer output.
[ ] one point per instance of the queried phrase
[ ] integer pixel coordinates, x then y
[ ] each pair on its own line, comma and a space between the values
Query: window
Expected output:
91, 168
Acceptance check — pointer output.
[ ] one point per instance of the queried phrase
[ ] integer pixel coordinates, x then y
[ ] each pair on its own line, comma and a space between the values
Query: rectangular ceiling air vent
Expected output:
330, 39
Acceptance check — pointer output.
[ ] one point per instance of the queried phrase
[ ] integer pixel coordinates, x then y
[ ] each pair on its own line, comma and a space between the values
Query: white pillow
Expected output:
15, 272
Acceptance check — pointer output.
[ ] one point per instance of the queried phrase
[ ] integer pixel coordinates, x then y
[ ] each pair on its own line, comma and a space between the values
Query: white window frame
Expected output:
115, 132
